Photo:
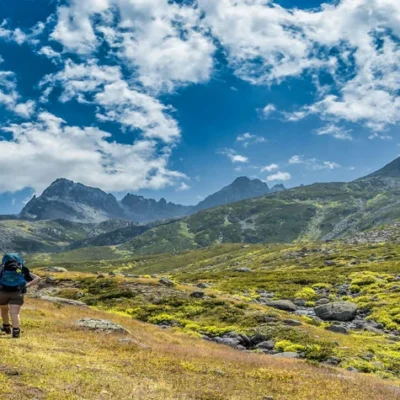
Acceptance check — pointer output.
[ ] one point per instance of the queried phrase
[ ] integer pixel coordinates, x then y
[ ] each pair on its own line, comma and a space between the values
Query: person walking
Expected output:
15, 278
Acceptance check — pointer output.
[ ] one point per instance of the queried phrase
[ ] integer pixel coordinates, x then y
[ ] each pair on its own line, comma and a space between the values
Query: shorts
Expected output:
16, 298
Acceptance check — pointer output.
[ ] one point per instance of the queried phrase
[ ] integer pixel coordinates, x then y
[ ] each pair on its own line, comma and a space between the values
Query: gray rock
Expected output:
338, 311
337, 329
321, 302
329, 263
203, 285
50, 280
243, 269
352, 369
166, 282
101, 325
60, 300
245, 340
287, 354
292, 322
300, 302
197, 295
285, 305
56, 269
258, 338
267, 345
333, 361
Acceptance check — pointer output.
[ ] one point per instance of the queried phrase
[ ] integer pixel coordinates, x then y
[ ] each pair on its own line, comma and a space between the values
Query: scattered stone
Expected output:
292, 322
337, 329
338, 311
60, 300
321, 302
287, 354
335, 361
197, 295
166, 282
50, 280
258, 338
203, 285
56, 269
100, 276
285, 305
243, 269
352, 369
267, 345
101, 325
300, 303
329, 263
269, 319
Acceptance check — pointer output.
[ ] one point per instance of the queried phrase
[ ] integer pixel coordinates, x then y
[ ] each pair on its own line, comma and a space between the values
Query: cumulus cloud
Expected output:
269, 168
247, 139
268, 110
48, 148
279, 176
162, 42
313, 163
356, 42
10, 98
105, 87
234, 157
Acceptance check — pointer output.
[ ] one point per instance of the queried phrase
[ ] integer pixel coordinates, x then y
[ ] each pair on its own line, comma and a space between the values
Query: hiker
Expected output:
15, 278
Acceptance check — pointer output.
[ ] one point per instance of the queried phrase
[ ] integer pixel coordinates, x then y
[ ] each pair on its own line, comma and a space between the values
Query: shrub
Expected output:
306, 293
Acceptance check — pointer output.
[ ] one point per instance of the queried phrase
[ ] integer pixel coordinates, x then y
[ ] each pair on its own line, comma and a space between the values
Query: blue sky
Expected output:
177, 99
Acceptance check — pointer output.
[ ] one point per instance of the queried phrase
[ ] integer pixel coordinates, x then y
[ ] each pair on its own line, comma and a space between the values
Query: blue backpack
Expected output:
13, 279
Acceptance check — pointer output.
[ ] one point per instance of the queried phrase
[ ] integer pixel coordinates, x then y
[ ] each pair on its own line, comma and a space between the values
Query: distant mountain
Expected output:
65, 199
242, 188
141, 209
71, 201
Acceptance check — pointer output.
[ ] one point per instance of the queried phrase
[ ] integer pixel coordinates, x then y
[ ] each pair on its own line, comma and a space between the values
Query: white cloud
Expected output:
335, 131
10, 98
313, 163
183, 187
269, 168
355, 41
375, 135
105, 87
47, 149
268, 110
279, 176
248, 139
162, 42
233, 156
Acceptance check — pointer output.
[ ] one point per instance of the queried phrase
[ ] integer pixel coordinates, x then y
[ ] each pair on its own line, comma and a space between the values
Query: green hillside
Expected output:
316, 212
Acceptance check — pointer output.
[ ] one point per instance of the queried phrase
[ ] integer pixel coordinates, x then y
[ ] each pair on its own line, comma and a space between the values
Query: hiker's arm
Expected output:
35, 280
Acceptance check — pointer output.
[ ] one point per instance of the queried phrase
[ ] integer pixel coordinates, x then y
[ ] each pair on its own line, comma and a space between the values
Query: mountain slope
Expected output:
315, 212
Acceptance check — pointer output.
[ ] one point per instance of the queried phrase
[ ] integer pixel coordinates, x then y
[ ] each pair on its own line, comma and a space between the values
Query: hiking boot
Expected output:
16, 332
6, 329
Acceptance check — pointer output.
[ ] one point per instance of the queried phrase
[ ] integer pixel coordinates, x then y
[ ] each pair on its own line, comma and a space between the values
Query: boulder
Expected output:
321, 302
267, 345
285, 305
258, 338
243, 269
101, 325
60, 300
292, 322
203, 285
337, 329
56, 269
337, 311
166, 282
197, 295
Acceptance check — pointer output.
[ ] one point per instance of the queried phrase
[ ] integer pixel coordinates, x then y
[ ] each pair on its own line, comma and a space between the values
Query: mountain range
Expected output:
69, 215
75, 202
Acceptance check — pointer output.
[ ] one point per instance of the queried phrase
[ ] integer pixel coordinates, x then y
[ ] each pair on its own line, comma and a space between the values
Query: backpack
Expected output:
12, 278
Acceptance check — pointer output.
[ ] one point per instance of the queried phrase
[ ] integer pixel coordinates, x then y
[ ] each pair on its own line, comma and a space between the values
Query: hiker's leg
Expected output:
14, 311
5, 316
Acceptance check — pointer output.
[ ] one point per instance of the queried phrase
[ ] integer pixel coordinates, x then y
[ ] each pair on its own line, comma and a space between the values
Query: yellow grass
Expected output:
56, 360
